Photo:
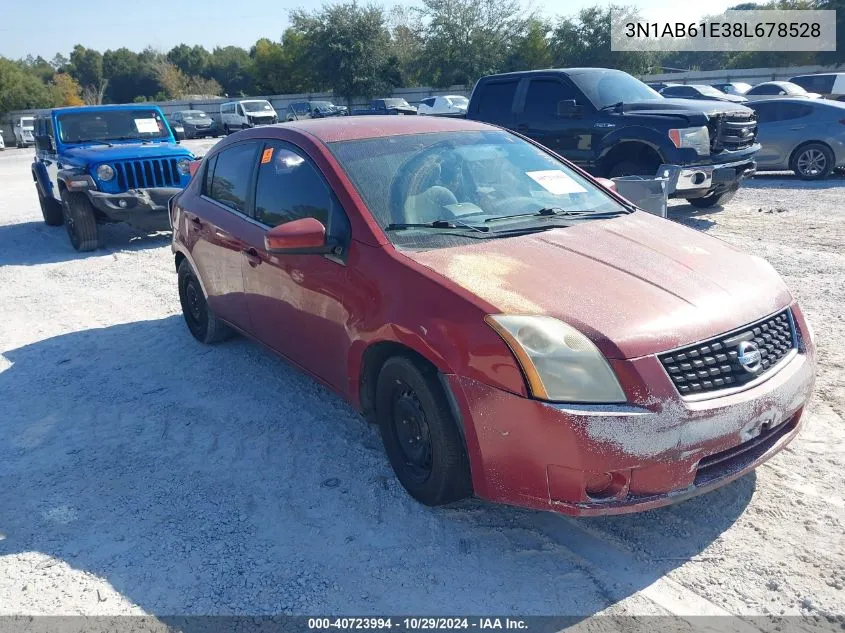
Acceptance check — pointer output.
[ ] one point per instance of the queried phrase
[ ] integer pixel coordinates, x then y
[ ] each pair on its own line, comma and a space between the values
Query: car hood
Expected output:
667, 106
124, 151
636, 284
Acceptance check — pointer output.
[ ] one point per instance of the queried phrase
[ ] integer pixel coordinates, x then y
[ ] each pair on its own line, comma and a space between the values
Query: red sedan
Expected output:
518, 331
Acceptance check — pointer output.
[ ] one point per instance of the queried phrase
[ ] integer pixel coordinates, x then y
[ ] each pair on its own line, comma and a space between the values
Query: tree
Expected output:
347, 44
407, 44
86, 66
191, 60
532, 50
19, 89
232, 68
66, 91
40, 67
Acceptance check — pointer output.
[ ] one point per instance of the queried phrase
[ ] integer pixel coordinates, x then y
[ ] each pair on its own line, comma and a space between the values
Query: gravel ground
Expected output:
144, 473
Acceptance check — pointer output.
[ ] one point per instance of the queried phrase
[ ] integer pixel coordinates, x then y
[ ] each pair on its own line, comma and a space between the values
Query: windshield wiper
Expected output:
93, 140
144, 141
557, 212
436, 224
613, 106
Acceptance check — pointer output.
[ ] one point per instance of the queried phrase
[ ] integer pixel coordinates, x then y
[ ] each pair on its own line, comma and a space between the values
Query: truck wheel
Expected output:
813, 161
51, 210
714, 199
203, 325
80, 222
420, 433
632, 168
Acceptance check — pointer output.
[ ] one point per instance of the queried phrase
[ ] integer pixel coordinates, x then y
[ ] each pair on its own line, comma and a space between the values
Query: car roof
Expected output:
104, 108
378, 126
568, 71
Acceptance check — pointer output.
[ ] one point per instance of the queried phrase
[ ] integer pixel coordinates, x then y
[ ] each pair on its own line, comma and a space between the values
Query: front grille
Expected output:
714, 364
144, 174
732, 132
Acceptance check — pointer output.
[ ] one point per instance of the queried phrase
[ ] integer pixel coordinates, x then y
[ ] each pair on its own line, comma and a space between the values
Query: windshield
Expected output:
607, 87
393, 103
27, 122
112, 125
322, 105
194, 114
481, 179
257, 106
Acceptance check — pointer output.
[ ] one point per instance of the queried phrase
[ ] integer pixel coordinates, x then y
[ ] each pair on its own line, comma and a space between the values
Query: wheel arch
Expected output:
794, 153
634, 150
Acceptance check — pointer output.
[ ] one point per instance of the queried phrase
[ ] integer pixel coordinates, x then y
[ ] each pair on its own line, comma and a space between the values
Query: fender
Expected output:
42, 178
75, 179
179, 250
658, 140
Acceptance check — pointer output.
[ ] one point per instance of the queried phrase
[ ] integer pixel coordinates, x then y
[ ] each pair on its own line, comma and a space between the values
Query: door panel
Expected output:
297, 301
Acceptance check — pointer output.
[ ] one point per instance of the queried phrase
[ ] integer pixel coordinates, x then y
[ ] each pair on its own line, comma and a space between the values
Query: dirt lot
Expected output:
144, 473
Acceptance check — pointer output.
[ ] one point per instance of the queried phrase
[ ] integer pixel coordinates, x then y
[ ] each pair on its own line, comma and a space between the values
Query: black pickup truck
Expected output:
388, 106
612, 124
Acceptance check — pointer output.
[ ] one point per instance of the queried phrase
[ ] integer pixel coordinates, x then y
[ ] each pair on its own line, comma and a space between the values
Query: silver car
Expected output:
804, 135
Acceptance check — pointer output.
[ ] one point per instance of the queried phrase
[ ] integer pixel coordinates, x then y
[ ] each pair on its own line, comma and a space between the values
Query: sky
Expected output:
136, 24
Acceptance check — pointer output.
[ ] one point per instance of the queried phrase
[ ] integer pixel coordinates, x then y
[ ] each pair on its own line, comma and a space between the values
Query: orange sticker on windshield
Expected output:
267, 156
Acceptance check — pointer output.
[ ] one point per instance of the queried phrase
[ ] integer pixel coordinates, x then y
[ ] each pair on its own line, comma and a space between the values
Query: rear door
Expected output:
297, 302
217, 227
782, 127
495, 101
537, 118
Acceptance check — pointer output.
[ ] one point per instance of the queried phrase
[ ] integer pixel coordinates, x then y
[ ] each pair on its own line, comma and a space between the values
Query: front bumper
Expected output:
697, 181
143, 208
199, 132
665, 449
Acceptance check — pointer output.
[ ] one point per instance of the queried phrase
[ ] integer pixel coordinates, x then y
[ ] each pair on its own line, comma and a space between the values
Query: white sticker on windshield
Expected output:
555, 181
146, 126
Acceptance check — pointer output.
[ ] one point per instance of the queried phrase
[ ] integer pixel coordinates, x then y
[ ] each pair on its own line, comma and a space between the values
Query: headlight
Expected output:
697, 138
105, 172
184, 166
559, 362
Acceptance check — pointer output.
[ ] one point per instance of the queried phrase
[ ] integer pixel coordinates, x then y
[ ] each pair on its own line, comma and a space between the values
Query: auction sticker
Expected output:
555, 181
146, 126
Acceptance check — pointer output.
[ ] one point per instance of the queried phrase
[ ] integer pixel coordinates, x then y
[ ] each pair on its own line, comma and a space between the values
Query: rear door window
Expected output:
543, 96
496, 101
232, 174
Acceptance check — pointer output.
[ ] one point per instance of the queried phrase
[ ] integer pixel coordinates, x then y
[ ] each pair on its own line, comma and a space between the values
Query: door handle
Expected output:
252, 256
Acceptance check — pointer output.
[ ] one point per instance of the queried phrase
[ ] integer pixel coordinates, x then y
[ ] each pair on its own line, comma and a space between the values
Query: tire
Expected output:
201, 321
80, 221
226, 131
714, 199
51, 209
813, 161
632, 168
420, 434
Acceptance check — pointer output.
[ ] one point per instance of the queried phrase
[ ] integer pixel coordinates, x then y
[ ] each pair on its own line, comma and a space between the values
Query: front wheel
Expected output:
420, 433
714, 199
80, 221
813, 161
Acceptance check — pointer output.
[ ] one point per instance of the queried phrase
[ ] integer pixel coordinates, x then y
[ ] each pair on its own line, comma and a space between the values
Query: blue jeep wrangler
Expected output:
100, 164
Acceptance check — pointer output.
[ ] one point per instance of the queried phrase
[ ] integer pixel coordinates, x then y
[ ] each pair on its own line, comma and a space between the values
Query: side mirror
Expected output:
568, 108
607, 183
44, 143
306, 235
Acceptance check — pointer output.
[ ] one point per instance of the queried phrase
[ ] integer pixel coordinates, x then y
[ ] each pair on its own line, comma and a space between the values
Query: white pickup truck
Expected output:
22, 127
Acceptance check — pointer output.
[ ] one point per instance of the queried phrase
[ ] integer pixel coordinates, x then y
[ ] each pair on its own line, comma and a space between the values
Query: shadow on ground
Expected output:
219, 480
788, 180
29, 243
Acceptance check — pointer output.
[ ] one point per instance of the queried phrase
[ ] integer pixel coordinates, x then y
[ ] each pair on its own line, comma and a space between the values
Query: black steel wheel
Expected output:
201, 321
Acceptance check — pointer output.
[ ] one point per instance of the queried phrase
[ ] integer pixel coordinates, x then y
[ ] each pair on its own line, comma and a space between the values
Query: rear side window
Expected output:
769, 89
496, 100
543, 96
231, 176
429, 102
816, 83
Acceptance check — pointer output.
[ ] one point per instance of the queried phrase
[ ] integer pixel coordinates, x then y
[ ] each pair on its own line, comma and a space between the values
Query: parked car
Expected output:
314, 110
178, 130
240, 115
22, 129
614, 125
388, 106
445, 105
2, 142
657, 86
116, 163
828, 85
554, 347
700, 92
733, 87
195, 123
777, 89
805, 136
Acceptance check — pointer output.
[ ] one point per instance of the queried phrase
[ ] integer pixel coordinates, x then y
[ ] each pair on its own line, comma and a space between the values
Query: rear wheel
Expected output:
813, 161
80, 221
420, 434
226, 131
714, 199
51, 210
201, 321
